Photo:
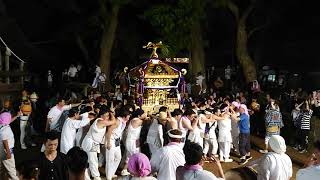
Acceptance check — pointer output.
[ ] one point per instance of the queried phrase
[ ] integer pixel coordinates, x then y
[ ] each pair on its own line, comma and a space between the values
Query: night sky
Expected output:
43, 30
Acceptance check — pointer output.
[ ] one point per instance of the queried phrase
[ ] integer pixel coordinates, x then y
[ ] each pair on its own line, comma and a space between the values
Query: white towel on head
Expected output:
277, 144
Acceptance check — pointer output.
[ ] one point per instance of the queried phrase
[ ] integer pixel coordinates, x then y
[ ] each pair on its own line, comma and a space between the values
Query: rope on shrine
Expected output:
11, 50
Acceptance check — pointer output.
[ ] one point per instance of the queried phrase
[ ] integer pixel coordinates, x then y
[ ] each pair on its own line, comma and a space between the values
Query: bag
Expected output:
117, 142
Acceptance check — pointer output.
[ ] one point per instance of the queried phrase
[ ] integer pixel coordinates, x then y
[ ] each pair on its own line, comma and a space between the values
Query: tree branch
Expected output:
233, 8
256, 29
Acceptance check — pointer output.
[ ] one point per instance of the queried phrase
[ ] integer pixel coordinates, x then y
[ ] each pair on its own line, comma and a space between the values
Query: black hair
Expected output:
123, 112
28, 169
177, 112
72, 112
215, 110
77, 160
189, 112
51, 135
87, 109
223, 106
193, 153
60, 99
138, 112
316, 145
163, 109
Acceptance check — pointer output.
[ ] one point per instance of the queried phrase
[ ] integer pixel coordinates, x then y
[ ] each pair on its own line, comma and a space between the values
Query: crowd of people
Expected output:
113, 133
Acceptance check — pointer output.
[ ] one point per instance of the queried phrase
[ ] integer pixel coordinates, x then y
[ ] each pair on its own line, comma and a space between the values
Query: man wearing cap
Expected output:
166, 160
275, 164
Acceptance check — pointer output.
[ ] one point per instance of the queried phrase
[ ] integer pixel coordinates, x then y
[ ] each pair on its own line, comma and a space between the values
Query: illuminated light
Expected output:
155, 61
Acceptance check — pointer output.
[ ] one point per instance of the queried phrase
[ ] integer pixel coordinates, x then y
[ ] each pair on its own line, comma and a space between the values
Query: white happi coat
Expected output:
309, 173
225, 130
166, 160
132, 138
274, 166
69, 130
155, 136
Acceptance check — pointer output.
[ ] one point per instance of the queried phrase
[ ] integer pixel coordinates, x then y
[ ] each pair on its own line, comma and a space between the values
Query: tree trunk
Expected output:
248, 66
106, 45
197, 63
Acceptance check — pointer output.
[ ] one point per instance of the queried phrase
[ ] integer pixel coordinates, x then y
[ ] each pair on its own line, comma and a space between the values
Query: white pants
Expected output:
93, 164
224, 149
23, 125
153, 148
8, 167
210, 144
113, 158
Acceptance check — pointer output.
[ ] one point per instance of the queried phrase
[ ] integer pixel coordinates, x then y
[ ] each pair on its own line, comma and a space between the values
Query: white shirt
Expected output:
309, 173
200, 174
225, 130
72, 72
69, 130
5, 134
275, 166
55, 113
166, 160
199, 80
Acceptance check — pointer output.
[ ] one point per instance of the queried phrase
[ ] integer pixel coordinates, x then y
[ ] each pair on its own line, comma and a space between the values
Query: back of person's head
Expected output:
193, 153
176, 112
77, 162
138, 112
175, 135
163, 109
123, 112
189, 112
27, 170
73, 112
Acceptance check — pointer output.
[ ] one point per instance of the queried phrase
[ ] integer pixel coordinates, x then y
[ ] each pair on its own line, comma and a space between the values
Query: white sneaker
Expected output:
221, 159
228, 160
125, 172
23, 146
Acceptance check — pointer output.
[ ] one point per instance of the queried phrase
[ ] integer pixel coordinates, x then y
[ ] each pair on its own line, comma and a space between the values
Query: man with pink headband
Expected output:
244, 136
6, 147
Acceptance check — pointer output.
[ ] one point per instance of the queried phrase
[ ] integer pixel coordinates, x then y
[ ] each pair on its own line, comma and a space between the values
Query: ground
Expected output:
32, 153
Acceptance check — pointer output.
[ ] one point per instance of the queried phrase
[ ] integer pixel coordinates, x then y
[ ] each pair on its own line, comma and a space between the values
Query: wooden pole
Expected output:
7, 63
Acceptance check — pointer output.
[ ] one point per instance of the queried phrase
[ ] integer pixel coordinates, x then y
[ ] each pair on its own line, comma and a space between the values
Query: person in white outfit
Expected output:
166, 160
155, 138
225, 138
187, 124
69, 130
275, 165
210, 141
113, 138
134, 128
93, 139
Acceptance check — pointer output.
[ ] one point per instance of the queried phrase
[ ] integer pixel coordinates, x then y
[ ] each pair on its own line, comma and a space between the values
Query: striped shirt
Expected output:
305, 119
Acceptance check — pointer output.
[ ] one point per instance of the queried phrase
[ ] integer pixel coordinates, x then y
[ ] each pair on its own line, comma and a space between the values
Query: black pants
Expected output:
302, 138
244, 144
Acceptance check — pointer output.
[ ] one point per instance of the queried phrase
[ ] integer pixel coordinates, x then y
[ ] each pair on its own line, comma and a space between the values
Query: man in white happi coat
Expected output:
275, 165
166, 160
113, 137
69, 130
155, 138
